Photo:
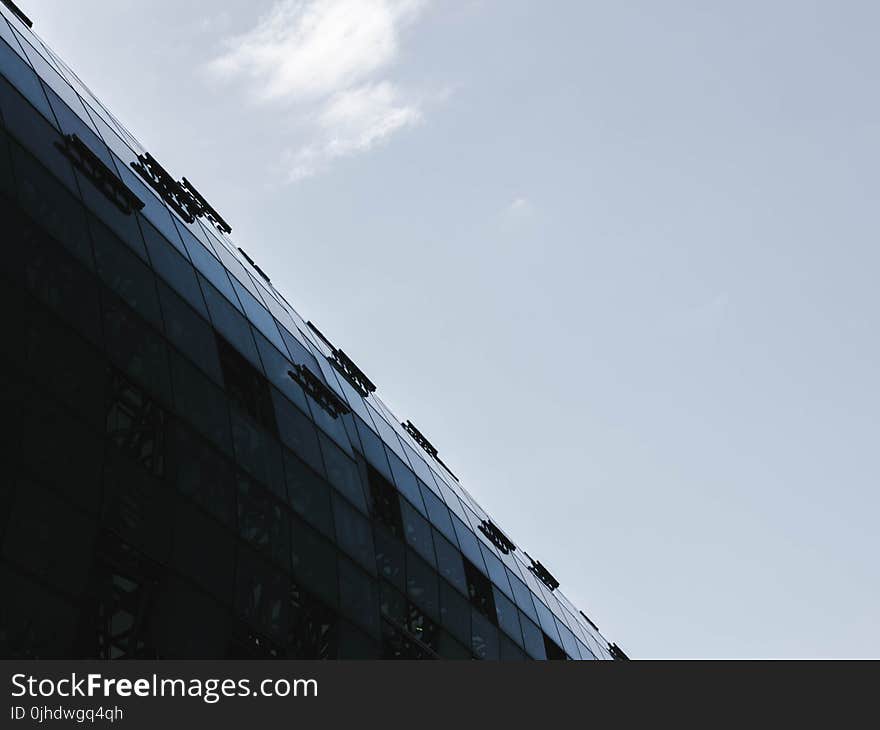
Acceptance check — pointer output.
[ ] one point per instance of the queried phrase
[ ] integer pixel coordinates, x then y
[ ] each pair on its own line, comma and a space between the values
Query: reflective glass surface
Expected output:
165, 462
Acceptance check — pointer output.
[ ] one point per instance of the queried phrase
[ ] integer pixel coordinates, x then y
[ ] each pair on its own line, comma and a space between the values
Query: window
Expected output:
125, 274
497, 571
136, 507
189, 333
77, 463
15, 69
174, 268
480, 591
77, 378
136, 349
421, 585
230, 323
135, 425
196, 536
533, 639
314, 562
384, 502
455, 613
246, 386
308, 494
297, 432
261, 594
523, 596
48, 539
374, 451
438, 513
358, 599
449, 562
258, 453
508, 616
353, 533
200, 473
405, 480
342, 472
390, 558
484, 637
417, 532
56, 279
201, 402
277, 367
263, 523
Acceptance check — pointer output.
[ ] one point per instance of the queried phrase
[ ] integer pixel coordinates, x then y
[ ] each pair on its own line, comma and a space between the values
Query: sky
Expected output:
617, 260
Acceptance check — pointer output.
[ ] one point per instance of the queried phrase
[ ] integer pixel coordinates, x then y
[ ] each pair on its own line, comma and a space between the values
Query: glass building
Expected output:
191, 470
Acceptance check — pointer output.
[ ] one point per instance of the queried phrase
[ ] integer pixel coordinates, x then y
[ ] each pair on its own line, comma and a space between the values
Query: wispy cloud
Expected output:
520, 208
327, 61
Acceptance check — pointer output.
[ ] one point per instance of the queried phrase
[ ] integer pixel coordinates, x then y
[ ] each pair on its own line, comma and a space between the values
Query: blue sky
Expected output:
617, 260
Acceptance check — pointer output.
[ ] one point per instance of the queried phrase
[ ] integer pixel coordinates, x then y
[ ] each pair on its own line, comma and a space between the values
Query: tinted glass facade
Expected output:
192, 470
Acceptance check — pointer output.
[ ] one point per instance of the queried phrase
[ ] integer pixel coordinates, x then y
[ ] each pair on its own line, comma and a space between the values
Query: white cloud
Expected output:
325, 59
519, 206
353, 121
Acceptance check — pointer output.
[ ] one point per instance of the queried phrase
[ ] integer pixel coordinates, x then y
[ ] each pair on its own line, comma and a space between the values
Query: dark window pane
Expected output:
390, 558
308, 494
405, 480
230, 323
191, 334
136, 507
207, 264
63, 363
438, 512
204, 552
469, 544
246, 386
455, 613
52, 206
201, 402
48, 539
508, 616
342, 472
314, 562
297, 432
509, 651
353, 533
20, 74
136, 424
417, 531
277, 368
449, 562
263, 523
484, 637
554, 651
533, 638
136, 349
480, 590
56, 279
497, 571
357, 596
258, 453
374, 451
125, 274
61, 452
313, 627
174, 268
421, 585
393, 604
200, 473
523, 596
261, 594
384, 502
